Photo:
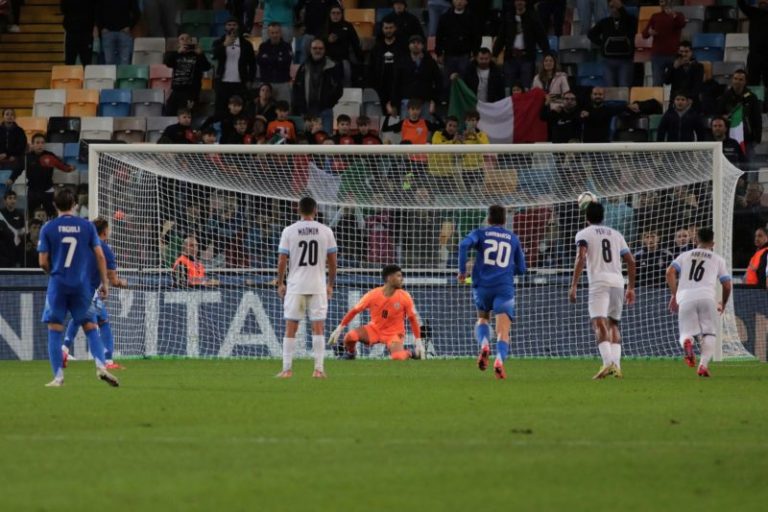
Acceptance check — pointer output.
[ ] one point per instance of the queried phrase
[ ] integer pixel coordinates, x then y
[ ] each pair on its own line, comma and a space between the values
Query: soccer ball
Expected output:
585, 198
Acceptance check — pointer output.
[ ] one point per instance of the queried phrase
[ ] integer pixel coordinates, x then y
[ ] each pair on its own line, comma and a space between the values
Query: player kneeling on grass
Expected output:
691, 279
388, 305
498, 259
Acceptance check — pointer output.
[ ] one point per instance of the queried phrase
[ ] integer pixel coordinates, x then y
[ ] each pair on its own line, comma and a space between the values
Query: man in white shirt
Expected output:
236, 65
692, 279
306, 248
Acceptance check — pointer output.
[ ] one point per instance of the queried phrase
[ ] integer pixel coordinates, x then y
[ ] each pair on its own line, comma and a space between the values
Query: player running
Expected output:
98, 307
498, 259
693, 297
64, 247
389, 306
307, 246
601, 250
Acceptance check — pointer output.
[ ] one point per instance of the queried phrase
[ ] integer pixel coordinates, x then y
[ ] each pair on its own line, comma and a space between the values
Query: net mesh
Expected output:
404, 205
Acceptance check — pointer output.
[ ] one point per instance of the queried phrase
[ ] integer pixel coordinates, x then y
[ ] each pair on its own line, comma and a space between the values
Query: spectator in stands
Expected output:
15, 16
236, 65
79, 20
227, 120
115, 19
749, 215
757, 59
408, 25
40, 214
389, 49
414, 128
458, 35
259, 131
315, 12
241, 133
472, 168
615, 35
342, 44
652, 260
484, 77
597, 116
343, 133
685, 73
755, 274
282, 127
731, 149
738, 94
520, 52
180, 132
620, 216
317, 87
30, 243
682, 123
665, 27
188, 272
364, 135
313, 130
681, 243
553, 81
264, 104
161, 17
188, 63
278, 13
274, 59
564, 119
416, 77
208, 136
13, 142
552, 14
11, 232
591, 12
436, 9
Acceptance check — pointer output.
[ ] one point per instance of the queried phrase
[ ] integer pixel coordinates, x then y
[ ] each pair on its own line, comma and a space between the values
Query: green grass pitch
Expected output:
385, 436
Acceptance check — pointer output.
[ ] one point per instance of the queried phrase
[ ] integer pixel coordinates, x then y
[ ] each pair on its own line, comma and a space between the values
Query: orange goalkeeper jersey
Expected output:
387, 313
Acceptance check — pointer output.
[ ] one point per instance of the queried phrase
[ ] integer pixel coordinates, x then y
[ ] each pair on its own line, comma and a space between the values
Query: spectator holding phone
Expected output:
236, 65
188, 63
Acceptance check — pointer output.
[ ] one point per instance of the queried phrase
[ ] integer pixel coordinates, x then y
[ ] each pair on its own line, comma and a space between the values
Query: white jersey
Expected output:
699, 270
307, 244
605, 249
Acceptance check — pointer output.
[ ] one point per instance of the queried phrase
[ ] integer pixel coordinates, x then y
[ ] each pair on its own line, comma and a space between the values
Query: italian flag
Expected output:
511, 119
737, 127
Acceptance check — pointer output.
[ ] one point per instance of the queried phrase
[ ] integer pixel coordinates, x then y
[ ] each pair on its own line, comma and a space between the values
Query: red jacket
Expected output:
668, 28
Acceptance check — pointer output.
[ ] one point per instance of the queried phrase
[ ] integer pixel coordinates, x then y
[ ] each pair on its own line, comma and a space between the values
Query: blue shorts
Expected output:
59, 300
98, 310
500, 300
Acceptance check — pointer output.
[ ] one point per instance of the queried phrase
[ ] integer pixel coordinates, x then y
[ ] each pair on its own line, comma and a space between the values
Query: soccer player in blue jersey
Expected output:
64, 247
98, 307
498, 259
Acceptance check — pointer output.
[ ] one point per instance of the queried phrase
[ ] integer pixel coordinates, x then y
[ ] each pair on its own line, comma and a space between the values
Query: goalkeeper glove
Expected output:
335, 336
418, 348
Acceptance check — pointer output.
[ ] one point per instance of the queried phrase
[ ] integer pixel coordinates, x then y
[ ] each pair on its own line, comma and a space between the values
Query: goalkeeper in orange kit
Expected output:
388, 305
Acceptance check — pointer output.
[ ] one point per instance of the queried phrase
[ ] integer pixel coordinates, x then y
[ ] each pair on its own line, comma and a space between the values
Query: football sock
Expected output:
318, 349
54, 353
97, 348
616, 353
483, 334
605, 352
400, 355
69, 336
289, 345
502, 350
707, 350
105, 330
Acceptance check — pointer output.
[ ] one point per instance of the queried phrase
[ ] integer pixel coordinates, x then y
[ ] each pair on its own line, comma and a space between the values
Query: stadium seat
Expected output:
736, 47
617, 94
695, 16
630, 135
707, 69
643, 48
554, 47
148, 50
350, 103
381, 13
160, 77
100, 76
351, 95
71, 154
63, 129
67, 77
148, 102
220, 19
49, 102
132, 77
722, 71
130, 129
206, 44
204, 108
371, 103
155, 127
196, 23
759, 91
575, 49
96, 128
57, 148
590, 74
350, 109
721, 19
115, 102
709, 47
82, 102
704, 3
644, 15
171, 44
32, 125
646, 93
364, 21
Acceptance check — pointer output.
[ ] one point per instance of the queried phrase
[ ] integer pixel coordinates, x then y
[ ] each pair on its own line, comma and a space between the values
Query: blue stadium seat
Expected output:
709, 47
590, 74
381, 13
115, 103
219, 20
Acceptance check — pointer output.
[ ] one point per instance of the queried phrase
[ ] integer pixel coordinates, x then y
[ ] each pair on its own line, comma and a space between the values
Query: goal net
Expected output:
396, 204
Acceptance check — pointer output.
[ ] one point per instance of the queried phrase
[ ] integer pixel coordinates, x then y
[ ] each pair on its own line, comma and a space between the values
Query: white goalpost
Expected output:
405, 204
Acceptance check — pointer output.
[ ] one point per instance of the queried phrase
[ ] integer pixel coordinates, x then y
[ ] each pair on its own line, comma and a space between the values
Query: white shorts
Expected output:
606, 302
697, 317
297, 306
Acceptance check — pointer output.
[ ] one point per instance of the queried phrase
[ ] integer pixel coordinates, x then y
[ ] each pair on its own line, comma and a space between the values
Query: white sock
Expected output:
707, 350
605, 352
616, 353
318, 349
289, 345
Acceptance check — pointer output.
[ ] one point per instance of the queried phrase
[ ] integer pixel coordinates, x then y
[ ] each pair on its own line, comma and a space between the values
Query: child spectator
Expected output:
240, 135
472, 163
208, 136
414, 128
226, 121
343, 133
442, 166
264, 104
282, 126
313, 128
180, 132
364, 135
259, 133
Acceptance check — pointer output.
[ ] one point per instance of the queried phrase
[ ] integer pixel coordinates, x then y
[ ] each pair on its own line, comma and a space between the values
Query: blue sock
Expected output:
54, 351
502, 349
97, 348
107, 339
483, 334
69, 336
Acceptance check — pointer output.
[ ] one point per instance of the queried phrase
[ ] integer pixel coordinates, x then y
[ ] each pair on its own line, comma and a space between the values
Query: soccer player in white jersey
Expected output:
601, 249
306, 248
692, 278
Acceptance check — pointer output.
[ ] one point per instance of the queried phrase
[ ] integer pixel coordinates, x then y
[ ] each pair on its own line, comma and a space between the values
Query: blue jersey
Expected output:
498, 258
95, 279
69, 242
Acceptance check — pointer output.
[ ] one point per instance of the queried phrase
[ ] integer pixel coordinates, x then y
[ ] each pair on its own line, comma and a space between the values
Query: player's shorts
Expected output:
98, 310
697, 317
500, 300
59, 300
297, 306
376, 336
606, 302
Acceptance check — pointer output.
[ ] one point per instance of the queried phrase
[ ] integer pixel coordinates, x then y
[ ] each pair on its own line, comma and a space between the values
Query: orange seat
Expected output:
646, 93
32, 125
645, 14
642, 48
364, 21
67, 77
82, 103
